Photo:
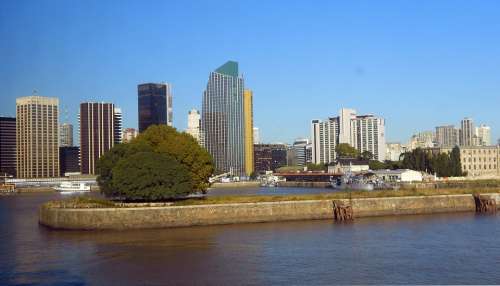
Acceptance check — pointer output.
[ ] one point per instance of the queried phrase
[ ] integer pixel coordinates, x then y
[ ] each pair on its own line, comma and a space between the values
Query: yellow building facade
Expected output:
248, 118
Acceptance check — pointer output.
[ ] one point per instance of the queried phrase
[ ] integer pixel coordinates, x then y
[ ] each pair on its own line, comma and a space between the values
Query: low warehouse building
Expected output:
400, 175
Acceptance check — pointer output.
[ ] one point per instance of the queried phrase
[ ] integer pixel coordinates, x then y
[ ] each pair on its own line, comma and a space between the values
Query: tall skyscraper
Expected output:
194, 124
466, 132
447, 136
65, 135
483, 133
37, 136
365, 133
155, 104
99, 125
223, 119
256, 135
8, 146
248, 117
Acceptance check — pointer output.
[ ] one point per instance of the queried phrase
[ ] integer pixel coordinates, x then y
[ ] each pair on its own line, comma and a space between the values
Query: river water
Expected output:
459, 248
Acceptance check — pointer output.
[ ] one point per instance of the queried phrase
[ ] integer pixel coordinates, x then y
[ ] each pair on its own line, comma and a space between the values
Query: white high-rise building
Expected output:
325, 138
194, 124
364, 132
483, 133
346, 116
65, 135
256, 135
368, 134
117, 121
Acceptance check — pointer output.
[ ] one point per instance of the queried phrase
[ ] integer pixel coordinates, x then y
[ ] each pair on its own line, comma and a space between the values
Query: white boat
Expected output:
67, 188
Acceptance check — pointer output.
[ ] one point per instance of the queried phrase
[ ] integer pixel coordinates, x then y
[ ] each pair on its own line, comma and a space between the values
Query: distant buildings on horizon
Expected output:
363, 132
34, 144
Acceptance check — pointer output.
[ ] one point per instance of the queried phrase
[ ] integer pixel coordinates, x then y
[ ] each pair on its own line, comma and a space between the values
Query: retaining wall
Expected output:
178, 216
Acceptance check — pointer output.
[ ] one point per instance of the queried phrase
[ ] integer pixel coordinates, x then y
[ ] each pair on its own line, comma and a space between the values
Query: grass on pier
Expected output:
331, 196
91, 202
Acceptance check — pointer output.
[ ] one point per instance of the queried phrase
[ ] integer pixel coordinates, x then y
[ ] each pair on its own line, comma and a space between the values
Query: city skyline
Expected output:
440, 83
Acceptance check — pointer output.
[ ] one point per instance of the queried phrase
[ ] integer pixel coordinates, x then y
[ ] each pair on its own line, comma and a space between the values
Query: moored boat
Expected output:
67, 188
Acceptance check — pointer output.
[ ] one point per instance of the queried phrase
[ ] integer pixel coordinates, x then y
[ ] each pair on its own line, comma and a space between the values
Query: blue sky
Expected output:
416, 63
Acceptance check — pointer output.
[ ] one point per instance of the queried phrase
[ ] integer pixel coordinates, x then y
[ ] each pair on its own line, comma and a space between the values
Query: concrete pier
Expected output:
182, 216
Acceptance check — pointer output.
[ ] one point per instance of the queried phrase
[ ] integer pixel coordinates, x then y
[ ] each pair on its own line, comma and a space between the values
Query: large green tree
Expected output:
159, 140
110, 159
184, 148
148, 176
455, 163
366, 155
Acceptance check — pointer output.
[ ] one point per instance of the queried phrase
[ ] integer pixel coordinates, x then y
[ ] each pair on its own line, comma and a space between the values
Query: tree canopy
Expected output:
443, 164
147, 176
347, 151
171, 148
366, 155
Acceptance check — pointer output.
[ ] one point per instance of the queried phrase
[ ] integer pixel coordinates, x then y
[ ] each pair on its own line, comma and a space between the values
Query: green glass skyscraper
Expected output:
223, 120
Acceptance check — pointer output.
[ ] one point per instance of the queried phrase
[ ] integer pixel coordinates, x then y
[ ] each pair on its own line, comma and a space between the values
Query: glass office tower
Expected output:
155, 104
223, 119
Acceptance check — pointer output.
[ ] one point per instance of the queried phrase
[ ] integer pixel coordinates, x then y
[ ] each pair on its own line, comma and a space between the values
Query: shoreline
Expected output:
113, 218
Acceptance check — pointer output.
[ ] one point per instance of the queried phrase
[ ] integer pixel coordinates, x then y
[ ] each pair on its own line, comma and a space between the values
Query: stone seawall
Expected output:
180, 216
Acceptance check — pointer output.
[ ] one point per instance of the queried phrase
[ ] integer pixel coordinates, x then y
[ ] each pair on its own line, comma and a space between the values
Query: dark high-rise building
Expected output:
155, 104
8, 146
99, 125
222, 119
269, 157
69, 159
